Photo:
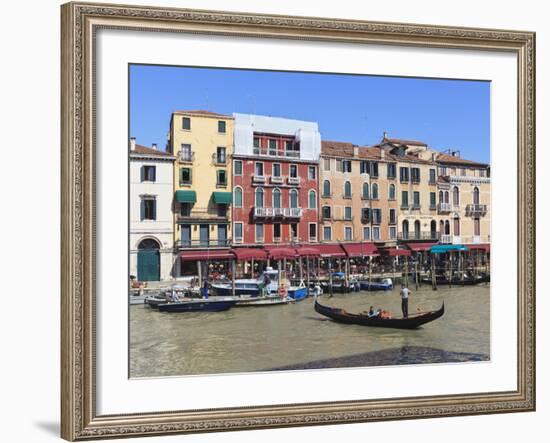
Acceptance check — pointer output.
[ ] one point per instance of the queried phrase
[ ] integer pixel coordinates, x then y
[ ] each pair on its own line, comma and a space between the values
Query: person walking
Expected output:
405, 292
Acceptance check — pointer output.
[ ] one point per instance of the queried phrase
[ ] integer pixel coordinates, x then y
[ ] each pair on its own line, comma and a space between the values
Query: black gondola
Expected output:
413, 321
457, 281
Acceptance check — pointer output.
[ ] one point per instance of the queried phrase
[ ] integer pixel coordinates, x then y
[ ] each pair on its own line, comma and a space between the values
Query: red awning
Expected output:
249, 254
480, 247
360, 249
308, 251
419, 247
206, 254
280, 252
331, 251
398, 252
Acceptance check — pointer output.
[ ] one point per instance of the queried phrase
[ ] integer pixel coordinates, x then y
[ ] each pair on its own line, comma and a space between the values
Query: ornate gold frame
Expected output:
79, 420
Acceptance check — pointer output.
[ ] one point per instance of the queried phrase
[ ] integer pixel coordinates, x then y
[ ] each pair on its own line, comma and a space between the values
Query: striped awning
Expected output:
249, 254
280, 252
331, 250
360, 249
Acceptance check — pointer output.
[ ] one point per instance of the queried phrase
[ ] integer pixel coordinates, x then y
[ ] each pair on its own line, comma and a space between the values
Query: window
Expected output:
327, 212
312, 173
221, 126
313, 232
482, 173
327, 233
185, 176
391, 192
347, 189
374, 191
222, 177
222, 235
148, 173
186, 123
364, 168
186, 154
366, 191
456, 196
405, 229
148, 208
222, 210
293, 171
432, 176
276, 198
366, 215
405, 199
347, 213
416, 199
456, 226
312, 200
393, 218
366, 233
476, 227
326, 164
294, 231
256, 145
432, 200
393, 232
476, 196
462, 171
220, 155
376, 233
392, 170
404, 174
415, 175
368, 167
417, 229
185, 209
277, 232
276, 170
272, 147
377, 216
259, 198
326, 188
259, 169
238, 232
373, 169
259, 233
348, 233
185, 235
443, 171
293, 198
346, 165
238, 197
237, 167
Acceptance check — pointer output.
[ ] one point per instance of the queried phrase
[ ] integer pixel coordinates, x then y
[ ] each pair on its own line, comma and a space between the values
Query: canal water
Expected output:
294, 336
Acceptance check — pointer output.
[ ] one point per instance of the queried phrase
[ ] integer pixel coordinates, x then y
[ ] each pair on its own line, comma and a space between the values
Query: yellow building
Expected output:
202, 142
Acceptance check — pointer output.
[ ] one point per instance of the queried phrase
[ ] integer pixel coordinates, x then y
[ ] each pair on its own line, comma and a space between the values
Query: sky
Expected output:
445, 114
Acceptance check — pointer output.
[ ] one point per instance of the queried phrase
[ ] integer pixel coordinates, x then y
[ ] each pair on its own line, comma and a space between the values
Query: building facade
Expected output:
202, 143
151, 218
275, 180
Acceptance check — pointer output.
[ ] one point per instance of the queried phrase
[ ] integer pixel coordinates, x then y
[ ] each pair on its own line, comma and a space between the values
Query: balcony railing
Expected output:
183, 244
186, 156
444, 207
475, 210
258, 178
445, 238
275, 152
277, 179
293, 180
277, 212
422, 235
219, 160
196, 214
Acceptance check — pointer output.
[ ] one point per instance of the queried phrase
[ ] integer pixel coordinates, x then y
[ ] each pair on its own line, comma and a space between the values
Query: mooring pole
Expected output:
307, 271
233, 278
330, 276
416, 273
434, 281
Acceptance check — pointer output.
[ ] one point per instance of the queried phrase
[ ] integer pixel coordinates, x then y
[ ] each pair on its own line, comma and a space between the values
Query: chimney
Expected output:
433, 156
356, 151
382, 154
132, 143
154, 146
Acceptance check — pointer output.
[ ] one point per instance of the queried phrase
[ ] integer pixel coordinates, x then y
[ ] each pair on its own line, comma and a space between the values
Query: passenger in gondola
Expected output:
373, 313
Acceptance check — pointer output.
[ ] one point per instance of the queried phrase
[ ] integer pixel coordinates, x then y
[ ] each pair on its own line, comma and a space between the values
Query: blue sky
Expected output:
446, 114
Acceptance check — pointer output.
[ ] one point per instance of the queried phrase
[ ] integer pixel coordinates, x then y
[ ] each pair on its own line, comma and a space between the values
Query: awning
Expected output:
249, 254
360, 249
419, 247
331, 251
442, 249
206, 254
308, 251
186, 196
280, 252
398, 252
223, 198
480, 247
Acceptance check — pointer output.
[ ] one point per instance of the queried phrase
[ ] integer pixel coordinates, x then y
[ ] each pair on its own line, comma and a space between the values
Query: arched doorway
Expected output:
148, 260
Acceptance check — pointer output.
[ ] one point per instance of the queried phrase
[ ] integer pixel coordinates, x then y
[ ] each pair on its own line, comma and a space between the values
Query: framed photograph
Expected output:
275, 221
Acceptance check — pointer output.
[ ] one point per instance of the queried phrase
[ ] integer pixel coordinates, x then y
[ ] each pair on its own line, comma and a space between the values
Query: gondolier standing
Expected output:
405, 300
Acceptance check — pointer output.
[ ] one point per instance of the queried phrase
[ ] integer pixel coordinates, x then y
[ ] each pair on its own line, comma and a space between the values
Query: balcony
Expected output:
476, 210
258, 178
219, 160
196, 215
450, 239
416, 206
444, 207
423, 235
294, 181
185, 244
277, 212
270, 152
278, 180
186, 156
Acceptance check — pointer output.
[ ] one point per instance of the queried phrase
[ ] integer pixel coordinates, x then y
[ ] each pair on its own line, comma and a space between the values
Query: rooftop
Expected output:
202, 113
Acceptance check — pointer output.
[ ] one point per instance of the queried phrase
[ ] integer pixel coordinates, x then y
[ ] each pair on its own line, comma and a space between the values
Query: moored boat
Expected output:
268, 300
457, 280
385, 284
198, 305
364, 319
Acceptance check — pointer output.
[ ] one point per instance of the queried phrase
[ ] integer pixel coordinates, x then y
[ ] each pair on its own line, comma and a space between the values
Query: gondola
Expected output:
457, 281
411, 322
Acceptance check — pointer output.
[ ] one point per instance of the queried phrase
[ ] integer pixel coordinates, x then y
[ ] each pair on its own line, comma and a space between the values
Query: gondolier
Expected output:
405, 300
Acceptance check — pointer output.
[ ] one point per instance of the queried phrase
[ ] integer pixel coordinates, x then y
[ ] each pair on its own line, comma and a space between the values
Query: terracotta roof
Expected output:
446, 158
399, 141
203, 113
337, 149
149, 151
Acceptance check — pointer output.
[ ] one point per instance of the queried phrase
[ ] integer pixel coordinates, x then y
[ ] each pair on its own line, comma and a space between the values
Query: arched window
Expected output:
276, 198
441, 227
447, 228
259, 198
293, 198
405, 229
456, 225
366, 191
326, 188
417, 229
374, 191
312, 199
148, 243
476, 196
441, 197
433, 229
238, 197
446, 196
347, 189
456, 196
391, 192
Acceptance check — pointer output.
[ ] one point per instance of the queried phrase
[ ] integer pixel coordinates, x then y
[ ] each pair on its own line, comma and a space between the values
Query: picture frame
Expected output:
80, 24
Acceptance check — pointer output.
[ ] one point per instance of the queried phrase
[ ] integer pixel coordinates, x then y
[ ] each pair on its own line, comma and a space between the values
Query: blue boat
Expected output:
198, 305
298, 293
384, 285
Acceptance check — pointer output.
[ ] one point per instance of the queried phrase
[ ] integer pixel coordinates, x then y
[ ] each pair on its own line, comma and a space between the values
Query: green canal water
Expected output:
294, 336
